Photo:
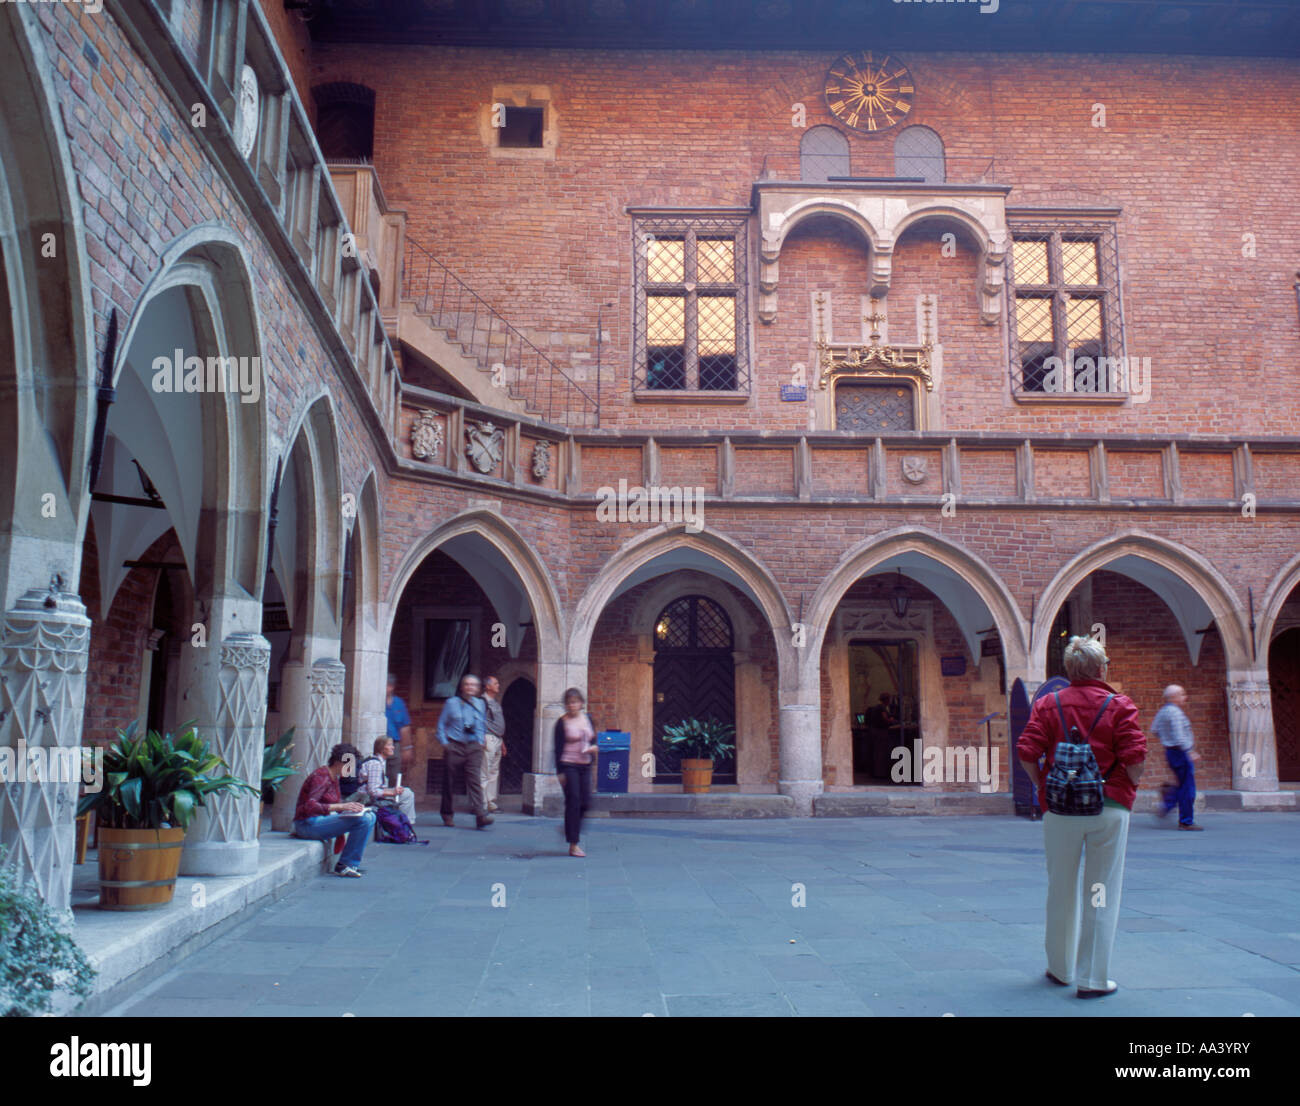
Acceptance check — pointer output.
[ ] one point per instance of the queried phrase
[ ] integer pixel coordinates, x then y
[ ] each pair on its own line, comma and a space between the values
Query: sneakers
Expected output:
1090, 992
1191, 826
347, 871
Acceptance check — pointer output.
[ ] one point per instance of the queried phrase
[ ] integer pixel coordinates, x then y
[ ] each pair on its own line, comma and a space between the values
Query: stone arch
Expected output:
493, 528
209, 263
314, 452
950, 213
819, 205
47, 339
1189, 569
641, 551
972, 571
1279, 591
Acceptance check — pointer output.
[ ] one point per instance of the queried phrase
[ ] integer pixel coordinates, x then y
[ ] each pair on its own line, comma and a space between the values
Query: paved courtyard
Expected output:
903, 916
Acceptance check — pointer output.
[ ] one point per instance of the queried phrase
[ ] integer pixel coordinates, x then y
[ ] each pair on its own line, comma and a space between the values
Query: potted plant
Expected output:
699, 743
38, 957
152, 785
276, 768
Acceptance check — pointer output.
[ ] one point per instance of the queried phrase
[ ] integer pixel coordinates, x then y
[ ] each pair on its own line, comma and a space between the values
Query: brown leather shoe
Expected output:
448, 820
1193, 826
485, 820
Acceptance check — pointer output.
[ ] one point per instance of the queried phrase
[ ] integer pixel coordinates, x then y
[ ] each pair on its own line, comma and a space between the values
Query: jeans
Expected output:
1184, 795
1081, 952
358, 827
463, 758
576, 781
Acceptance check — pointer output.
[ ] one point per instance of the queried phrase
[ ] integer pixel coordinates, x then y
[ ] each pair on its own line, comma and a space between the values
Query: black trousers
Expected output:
576, 780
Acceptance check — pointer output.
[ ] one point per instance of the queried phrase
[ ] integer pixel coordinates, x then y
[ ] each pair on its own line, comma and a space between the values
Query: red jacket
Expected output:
1117, 741
317, 792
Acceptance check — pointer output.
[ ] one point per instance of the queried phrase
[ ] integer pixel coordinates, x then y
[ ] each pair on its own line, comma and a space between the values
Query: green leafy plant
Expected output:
276, 765
37, 958
153, 780
694, 739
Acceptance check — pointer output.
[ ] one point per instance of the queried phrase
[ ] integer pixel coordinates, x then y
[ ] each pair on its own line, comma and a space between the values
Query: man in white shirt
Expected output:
1174, 729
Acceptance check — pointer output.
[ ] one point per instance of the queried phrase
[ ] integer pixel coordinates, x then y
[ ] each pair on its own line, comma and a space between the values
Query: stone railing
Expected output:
223, 58
440, 435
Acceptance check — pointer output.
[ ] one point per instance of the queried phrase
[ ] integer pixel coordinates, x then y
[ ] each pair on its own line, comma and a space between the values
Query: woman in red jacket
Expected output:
1078, 953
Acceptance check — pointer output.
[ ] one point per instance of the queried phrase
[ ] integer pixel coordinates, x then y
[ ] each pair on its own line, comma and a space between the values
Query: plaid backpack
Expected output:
1074, 784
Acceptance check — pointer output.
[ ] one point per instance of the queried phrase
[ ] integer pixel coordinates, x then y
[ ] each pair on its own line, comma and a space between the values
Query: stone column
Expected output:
225, 693
552, 679
1250, 732
367, 676
44, 646
311, 701
800, 774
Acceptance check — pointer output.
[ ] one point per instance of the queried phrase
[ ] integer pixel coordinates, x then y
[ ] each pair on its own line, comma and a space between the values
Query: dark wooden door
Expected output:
1284, 682
518, 704
695, 677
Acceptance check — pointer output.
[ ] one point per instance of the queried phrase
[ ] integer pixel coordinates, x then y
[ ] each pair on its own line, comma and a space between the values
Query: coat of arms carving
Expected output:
246, 111
541, 460
426, 437
914, 469
483, 447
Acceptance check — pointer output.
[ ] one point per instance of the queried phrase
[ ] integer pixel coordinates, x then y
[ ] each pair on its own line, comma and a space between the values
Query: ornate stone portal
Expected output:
44, 646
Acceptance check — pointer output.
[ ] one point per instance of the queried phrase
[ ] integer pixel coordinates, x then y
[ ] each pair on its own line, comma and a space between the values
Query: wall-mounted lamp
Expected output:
901, 599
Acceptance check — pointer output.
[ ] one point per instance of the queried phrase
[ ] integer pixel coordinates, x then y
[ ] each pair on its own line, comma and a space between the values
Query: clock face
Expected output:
869, 93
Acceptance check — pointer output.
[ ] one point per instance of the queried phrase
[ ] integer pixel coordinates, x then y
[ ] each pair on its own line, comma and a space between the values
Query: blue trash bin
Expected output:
615, 747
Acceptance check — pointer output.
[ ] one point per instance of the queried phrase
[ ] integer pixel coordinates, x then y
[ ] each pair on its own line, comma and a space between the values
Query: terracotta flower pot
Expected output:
137, 868
697, 776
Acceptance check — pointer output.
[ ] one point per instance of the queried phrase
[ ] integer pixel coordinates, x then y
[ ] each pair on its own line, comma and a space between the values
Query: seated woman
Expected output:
373, 777
321, 814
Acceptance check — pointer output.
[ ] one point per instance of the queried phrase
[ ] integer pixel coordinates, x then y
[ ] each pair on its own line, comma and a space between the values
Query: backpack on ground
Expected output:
393, 826
1074, 783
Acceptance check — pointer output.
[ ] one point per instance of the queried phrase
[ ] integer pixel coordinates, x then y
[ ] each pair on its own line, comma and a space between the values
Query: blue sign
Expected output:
794, 393
952, 666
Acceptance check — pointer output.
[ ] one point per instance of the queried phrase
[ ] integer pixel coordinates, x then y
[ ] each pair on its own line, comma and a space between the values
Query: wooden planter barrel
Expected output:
697, 776
137, 868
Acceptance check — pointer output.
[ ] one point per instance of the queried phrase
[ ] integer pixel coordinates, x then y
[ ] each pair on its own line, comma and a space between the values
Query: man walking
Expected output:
1174, 729
496, 744
399, 730
461, 733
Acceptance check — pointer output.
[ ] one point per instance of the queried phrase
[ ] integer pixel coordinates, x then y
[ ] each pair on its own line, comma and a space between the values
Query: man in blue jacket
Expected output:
461, 733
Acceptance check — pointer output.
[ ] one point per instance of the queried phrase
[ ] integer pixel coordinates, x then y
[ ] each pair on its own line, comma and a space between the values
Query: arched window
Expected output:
918, 152
693, 622
823, 153
345, 121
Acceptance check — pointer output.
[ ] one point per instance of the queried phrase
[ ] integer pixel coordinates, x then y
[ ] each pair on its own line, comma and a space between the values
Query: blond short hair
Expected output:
1084, 658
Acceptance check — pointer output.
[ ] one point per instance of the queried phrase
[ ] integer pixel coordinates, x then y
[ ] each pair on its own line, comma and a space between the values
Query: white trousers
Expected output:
1081, 926
491, 768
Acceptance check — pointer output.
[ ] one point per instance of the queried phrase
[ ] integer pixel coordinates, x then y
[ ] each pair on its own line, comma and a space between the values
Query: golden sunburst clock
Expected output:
869, 93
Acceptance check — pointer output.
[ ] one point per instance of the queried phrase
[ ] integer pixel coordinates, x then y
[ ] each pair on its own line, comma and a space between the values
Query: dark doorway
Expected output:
695, 677
885, 710
1284, 682
519, 704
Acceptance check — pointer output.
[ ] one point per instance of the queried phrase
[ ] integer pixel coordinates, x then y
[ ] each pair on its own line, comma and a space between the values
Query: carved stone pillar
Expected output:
44, 645
311, 700
552, 679
1250, 732
226, 694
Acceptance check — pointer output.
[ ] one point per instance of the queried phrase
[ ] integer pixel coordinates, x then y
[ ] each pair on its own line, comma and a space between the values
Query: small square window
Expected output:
523, 129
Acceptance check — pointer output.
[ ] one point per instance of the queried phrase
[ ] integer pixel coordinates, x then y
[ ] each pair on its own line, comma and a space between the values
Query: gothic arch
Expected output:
47, 339
970, 570
518, 553
641, 551
1188, 568
1279, 591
